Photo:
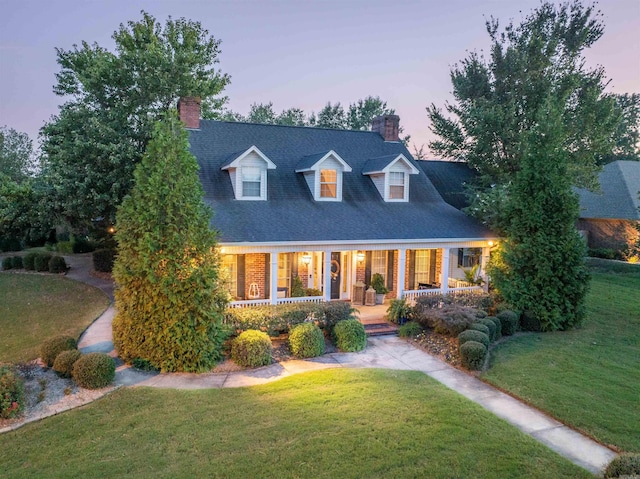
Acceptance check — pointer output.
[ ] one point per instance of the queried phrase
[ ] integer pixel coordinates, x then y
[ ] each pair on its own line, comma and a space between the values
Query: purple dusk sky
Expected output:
296, 53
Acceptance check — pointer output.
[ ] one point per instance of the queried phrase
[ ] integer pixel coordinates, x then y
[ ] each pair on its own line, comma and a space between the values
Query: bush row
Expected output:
36, 262
280, 318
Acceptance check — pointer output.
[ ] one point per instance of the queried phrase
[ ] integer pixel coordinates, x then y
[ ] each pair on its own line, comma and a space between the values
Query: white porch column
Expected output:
402, 263
445, 271
486, 254
273, 288
326, 280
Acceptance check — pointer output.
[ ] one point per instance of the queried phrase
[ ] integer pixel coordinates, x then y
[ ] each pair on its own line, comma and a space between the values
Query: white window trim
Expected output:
235, 170
315, 171
387, 187
318, 193
408, 170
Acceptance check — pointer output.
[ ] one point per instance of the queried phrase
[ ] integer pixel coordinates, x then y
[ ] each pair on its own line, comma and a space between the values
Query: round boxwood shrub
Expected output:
409, 330
11, 393
473, 335
252, 349
480, 327
50, 348
498, 324
57, 264
492, 327
94, 370
350, 335
103, 260
7, 263
41, 262
16, 262
306, 341
627, 464
28, 260
473, 354
509, 321
63, 364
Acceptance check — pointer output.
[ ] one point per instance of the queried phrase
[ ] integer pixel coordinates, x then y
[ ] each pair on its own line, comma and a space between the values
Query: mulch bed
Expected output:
444, 347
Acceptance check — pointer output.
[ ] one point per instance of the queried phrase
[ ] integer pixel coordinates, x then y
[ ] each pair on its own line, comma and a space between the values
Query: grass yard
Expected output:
589, 377
34, 307
335, 423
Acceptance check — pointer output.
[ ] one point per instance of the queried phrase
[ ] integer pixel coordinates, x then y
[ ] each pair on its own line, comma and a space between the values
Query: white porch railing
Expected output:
413, 295
262, 302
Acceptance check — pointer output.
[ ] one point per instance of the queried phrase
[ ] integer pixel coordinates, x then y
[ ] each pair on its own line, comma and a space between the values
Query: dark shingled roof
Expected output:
618, 198
449, 178
375, 165
290, 213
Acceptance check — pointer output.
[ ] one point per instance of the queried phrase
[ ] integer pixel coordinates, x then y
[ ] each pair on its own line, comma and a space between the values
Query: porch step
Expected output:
380, 329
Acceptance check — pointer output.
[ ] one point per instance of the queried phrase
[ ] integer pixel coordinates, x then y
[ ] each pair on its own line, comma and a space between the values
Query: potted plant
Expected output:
399, 311
377, 283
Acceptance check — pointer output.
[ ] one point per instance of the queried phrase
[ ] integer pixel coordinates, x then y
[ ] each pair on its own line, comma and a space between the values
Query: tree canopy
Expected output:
169, 297
92, 146
497, 101
16, 154
533, 121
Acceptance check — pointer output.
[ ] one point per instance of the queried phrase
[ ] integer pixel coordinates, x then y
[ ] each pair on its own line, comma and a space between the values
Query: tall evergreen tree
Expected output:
540, 268
169, 298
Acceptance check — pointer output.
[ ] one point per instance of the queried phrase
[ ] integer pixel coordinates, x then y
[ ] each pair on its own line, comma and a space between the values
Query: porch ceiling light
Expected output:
306, 259
360, 256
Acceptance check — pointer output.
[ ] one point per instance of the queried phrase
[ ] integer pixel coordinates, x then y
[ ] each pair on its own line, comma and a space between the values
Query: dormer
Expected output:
390, 175
323, 174
248, 173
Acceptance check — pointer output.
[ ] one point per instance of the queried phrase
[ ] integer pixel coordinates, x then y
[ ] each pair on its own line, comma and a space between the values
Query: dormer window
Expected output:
323, 174
328, 183
390, 175
248, 174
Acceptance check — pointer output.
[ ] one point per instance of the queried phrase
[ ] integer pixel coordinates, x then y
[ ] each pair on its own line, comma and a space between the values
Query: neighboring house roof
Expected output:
290, 213
449, 178
618, 195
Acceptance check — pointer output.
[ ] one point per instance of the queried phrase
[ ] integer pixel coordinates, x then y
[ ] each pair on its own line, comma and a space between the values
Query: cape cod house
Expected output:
332, 207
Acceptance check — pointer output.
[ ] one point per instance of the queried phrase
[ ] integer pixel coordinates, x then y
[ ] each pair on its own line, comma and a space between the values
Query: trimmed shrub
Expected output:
297, 288
498, 324
50, 348
409, 330
473, 335
11, 393
94, 370
492, 327
450, 320
350, 335
312, 292
473, 355
509, 321
252, 349
480, 327
143, 364
627, 464
280, 318
41, 262
7, 263
57, 264
28, 260
16, 262
82, 244
103, 260
63, 365
306, 341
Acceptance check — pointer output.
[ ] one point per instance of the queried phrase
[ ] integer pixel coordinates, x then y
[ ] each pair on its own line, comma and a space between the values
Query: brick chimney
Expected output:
387, 126
189, 111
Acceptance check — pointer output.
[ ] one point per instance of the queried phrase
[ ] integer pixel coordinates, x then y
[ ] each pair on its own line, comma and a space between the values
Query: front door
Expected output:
335, 275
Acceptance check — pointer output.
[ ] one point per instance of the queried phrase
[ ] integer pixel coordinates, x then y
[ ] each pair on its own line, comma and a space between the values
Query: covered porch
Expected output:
278, 274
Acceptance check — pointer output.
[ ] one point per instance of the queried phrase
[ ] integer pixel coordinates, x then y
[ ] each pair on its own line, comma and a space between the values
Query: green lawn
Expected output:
335, 423
35, 307
589, 377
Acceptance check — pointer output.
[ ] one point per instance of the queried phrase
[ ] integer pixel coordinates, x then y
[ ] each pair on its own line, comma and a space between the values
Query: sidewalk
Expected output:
386, 352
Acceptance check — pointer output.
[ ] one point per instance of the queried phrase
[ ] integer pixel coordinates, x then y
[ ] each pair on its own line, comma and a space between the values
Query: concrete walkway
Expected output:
387, 352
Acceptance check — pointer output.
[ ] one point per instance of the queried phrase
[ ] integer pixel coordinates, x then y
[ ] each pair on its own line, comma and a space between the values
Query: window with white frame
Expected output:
422, 266
251, 182
396, 185
469, 257
379, 263
328, 183
284, 273
230, 265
